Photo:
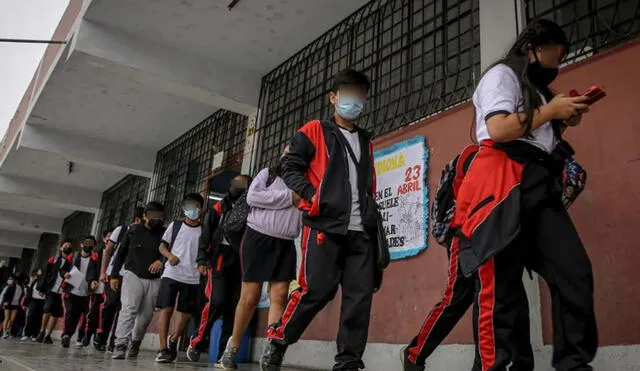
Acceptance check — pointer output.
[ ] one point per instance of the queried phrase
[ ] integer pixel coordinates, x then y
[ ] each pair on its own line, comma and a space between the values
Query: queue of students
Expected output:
508, 216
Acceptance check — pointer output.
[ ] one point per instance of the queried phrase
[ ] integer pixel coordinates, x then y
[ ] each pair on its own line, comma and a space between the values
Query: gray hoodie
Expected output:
272, 210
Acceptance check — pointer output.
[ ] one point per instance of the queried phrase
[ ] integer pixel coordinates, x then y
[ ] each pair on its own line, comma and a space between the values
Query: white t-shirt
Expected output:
114, 239
355, 221
185, 247
82, 289
499, 92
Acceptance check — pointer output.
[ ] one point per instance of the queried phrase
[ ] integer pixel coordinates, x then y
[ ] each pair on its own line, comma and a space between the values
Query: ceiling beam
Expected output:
19, 239
10, 251
14, 220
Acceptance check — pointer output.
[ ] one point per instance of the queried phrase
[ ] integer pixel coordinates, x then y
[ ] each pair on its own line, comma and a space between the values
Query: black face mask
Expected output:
67, 250
235, 193
155, 223
87, 249
540, 76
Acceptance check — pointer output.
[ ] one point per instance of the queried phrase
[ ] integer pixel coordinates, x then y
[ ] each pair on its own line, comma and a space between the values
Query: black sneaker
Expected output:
66, 341
172, 346
407, 364
164, 356
228, 359
98, 343
272, 357
40, 337
193, 354
120, 352
134, 349
48, 340
86, 340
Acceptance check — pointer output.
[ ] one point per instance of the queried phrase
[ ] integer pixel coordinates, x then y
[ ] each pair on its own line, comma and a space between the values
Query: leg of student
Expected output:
132, 291
7, 319
563, 262
523, 359
457, 298
233, 281
72, 314
82, 325
53, 322
249, 299
318, 277
278, 293
163, 326
44, 322
498, 296
166, 302
93, 316
215, 292
148, 304
357, 294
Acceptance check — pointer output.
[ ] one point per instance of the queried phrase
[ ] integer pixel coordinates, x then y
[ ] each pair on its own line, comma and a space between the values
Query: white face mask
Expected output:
9, 282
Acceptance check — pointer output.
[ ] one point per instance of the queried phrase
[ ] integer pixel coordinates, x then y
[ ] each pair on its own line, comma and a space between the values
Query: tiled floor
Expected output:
19, 356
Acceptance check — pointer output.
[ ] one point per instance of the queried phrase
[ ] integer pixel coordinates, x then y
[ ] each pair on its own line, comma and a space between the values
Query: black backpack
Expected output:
234, 221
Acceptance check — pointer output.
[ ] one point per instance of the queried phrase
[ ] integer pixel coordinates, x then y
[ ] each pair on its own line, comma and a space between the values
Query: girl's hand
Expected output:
574, 120
562, 107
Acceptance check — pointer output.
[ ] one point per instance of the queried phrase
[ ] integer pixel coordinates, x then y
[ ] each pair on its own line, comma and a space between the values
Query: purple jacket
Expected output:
272, 211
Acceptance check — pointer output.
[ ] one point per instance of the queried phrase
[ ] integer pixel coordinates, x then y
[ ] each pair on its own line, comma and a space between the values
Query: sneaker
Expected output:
272, 356
164, 356
25, 338
66, 341
172, 346
48, 340
228, 360
6, 335
407, 364
79, 343
193, 354
111, 348
40, 337
134, 349
86, 340
34, 339
97, 343
120, 352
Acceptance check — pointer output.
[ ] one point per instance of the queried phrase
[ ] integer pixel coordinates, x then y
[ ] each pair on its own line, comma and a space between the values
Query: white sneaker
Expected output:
25, 338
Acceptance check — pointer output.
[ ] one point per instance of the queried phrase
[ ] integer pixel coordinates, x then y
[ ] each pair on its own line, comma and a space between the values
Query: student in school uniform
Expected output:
10, 299
51, 284
34, 302
76, 297
180, 279
91, 318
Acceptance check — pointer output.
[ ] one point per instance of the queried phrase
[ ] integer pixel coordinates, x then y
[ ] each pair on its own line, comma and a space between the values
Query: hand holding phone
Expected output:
595, 93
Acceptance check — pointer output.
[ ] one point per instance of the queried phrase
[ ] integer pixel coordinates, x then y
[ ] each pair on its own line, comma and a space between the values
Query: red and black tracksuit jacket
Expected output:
56, 266
323, 184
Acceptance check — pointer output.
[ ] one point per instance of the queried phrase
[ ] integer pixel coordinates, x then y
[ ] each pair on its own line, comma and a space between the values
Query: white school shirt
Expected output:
114, 239
355, 220
82, 289
499, 92
185, 247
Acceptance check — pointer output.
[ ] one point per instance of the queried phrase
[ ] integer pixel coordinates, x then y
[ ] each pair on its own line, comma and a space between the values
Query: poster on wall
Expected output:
402, 195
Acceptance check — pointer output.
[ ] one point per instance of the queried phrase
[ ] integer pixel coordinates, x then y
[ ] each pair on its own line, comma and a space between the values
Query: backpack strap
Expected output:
175, 229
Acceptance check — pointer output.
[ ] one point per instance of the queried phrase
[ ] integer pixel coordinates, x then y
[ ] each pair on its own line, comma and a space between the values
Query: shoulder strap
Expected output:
123, 230
346, 143
175, 229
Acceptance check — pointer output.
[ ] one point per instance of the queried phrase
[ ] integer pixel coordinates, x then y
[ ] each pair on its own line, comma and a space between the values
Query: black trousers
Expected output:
91, 318
328, 261
34, 317
222, 291
551, 246
74, 308
108, 315
457, 298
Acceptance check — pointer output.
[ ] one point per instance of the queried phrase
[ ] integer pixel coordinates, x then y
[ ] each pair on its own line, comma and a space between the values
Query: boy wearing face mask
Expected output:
139, 254
180, 278
219, 261
91, 318
52, 284
10, 300
76, 297
330, 165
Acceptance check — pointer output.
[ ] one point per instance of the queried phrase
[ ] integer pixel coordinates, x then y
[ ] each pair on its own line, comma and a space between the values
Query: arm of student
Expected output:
106, 257
264, 197
209, 226
296, 163
123, 251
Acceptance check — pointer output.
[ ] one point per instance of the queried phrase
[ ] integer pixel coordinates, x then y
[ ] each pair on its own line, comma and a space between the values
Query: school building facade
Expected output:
147, 100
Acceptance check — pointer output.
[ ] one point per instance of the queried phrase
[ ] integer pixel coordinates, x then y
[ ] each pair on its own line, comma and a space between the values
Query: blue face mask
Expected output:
192, 213
349, 108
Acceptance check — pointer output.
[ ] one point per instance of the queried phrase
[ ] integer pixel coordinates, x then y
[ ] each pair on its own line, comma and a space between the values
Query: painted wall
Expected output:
608, 145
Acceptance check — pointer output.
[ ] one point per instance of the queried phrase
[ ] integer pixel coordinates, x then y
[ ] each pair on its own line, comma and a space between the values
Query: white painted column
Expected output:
499, 20
250, 146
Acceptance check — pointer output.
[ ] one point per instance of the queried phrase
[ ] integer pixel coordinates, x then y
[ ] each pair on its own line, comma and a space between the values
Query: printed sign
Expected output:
402, 195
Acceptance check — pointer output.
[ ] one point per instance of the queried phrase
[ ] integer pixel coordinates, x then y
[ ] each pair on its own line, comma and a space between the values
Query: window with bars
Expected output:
422, 56
184, 165
591, 25
76, 227
119, 202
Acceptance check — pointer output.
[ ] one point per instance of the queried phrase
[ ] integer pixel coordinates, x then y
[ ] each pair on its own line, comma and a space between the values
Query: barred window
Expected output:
119, 202
76, 227
422, 56
184, 165
591, 25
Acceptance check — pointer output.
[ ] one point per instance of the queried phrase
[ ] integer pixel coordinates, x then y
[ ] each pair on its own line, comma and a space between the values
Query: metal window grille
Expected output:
119, 202
422, 56
76, 227
182, 166
591, 25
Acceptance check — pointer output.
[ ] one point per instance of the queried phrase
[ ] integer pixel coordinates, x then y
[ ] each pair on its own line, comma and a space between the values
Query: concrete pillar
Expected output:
499, 24
250, 147
47, 246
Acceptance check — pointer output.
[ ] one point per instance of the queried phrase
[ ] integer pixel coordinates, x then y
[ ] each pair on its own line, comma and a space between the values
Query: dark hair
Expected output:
350, 77
243, 176
90, 237
154, 206
138, 213
65, 241
537, 33
106, 232
196, 197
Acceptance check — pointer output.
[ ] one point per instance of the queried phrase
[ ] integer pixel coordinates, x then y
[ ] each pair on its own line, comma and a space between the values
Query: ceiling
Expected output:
27, 205
255, 34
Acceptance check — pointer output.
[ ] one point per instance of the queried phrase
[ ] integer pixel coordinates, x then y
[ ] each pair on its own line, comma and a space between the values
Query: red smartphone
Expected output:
595, 93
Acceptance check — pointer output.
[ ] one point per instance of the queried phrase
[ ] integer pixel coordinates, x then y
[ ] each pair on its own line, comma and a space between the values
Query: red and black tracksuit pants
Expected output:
75, 307
90, 320
222, 293
525, 218
330, 260
108, 317
457, 298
